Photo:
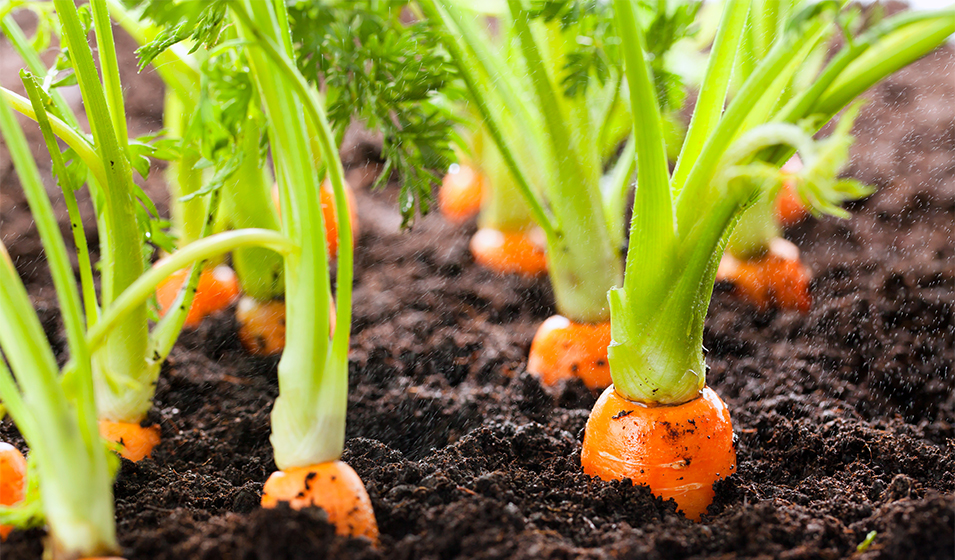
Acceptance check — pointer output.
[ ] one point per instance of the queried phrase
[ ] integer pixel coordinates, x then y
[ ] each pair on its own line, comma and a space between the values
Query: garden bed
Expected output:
845, 417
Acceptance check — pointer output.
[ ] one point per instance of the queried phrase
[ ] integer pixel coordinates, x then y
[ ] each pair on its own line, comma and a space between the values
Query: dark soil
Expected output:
845, 416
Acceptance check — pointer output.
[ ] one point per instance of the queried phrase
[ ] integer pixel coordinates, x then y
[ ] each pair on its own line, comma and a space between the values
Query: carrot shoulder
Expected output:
564, 349
332, 486
216, 290
509, 252
678, 451
136, 442
13, 476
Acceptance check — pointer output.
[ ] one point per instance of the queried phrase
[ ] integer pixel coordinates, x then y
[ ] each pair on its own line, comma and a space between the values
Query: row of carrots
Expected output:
657, 422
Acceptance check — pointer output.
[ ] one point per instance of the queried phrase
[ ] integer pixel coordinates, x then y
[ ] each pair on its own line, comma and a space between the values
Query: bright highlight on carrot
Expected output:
13, 480
332, 486
510, 252
776, 279
679, 451
218, 287
136, 442
261, 326
564, 349
461, 191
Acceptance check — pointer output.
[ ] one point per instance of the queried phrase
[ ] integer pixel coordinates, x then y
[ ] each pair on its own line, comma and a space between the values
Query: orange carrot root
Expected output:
332, 486
777, 279
461, 191
261, 326
136, 441
509, 252
789, 208
217, 288
678, 451
327, 199
564, 349
13, 480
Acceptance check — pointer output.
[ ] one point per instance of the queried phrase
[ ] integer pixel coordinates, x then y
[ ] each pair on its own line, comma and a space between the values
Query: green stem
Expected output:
756, 228
652, 228
308, 419
709, 106
80, 144
455, 46
167, 330
107, 58
698, 184
66, 446
249, 205
69, 197
145, 286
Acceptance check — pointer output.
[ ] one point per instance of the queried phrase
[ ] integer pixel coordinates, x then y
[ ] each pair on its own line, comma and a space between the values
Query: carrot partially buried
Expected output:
790, 210
461, 191
327, 198
13, 477
136, 442
332, 486
679, 451
564, 349
218, 287
262, 325
509, 252
775, 279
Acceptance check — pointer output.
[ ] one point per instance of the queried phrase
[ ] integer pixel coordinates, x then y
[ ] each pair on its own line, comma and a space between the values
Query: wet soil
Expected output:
845, 416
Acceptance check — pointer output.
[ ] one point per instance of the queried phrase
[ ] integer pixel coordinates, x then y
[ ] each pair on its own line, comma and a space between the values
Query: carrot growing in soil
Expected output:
765, 268
554, 127
125, 356
308, 418
659, 424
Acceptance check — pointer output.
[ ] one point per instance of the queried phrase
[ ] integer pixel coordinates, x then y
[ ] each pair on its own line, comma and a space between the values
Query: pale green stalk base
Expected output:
756, 228
582, 274
123, 395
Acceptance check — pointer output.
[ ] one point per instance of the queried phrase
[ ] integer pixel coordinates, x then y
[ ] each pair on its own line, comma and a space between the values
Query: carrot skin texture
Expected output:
332, 486
506, 252
678, 451
460, 196
217, 288
563, 349
13, 480
137, 442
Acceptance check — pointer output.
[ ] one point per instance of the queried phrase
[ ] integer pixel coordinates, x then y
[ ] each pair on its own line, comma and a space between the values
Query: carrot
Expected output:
777, 279
217, 289
679, 451
262, 325
461, 191
789, 208
136, 442
327, 198
13, 480
332, 486
509, 252
563, 349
